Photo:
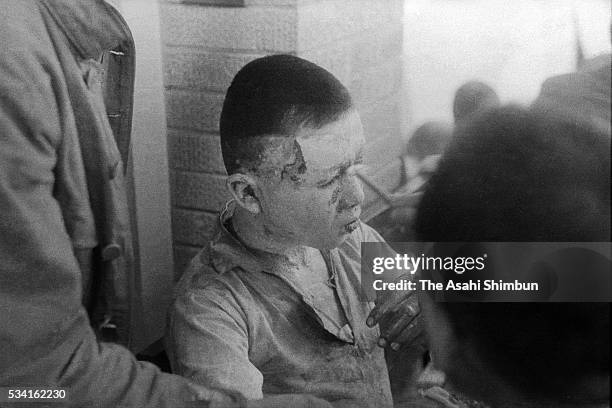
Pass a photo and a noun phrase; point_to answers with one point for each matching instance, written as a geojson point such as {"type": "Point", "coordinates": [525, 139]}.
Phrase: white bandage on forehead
{"type": "Point", "coordinates": [333, 144]}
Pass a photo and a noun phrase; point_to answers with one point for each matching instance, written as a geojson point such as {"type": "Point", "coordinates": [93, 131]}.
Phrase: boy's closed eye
{"type": "Point", "coordinates": [351, 170]}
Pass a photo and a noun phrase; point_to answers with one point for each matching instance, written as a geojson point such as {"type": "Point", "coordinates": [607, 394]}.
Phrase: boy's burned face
{"type": "Point", "coordinates": [316, 199]}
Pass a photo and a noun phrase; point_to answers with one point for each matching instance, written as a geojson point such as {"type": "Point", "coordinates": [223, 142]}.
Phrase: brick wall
{"type": "Point", "coordinates": [360, 41]}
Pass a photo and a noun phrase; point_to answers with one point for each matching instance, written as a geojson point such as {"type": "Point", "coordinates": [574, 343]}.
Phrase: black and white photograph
{"type": "Point", "coordinates": [305, 203]}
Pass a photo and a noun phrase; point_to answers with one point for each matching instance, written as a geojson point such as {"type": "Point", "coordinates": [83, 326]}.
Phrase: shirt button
{"type": "Point", "coordinates": [113, 170]}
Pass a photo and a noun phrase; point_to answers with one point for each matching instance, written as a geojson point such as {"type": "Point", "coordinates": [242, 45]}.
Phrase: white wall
{"type": "Point", "coordinates": [512, 45]}
{"type": "Point", "coordinates": [150, 171]}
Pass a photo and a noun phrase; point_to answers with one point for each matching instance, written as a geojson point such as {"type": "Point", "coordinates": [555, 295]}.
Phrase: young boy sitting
{"type": "Point", "coordinates": [271, 305]}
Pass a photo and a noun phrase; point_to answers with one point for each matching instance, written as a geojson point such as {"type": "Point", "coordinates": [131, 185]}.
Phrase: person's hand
{"type": "Point", "coordinates": [397, 313]}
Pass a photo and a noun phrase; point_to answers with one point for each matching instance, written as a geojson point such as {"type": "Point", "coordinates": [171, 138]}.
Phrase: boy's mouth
{"type": "Point", "coordinates": [351, 226]}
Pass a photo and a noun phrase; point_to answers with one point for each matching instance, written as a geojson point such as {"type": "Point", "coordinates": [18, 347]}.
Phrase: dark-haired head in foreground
{"type": "Point", "coordinates": [514, 175]}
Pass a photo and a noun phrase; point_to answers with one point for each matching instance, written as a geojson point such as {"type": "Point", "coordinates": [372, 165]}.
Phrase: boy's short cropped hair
{"type": "Point", "coordinates": [515, 175]}
{"type": "Point", "coordinates": [275, 96]}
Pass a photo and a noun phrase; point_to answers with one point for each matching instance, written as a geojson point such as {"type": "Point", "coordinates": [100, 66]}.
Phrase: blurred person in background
{"type": "Point", "coordinates": [423, 149]}
{"type": "Point", "coordinates": [583, 95]}
{"type": "Point", "coordinates": [472, 98]}
{"type": "Point", "coordinates": [419, 161]}
{"type": "Point", "coordinates": [420, 158]}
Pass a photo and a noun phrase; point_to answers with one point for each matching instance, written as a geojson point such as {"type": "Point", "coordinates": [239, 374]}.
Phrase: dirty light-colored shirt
{"type": "Point", "coordinates": [250, 328]}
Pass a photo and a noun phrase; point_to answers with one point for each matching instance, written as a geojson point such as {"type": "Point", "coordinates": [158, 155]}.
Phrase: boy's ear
{"type": "Point", "coordinates": [243, 189]}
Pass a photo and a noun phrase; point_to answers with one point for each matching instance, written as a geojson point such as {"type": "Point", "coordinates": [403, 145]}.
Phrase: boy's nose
{"type": "Point", "coordinates": [352, 194]}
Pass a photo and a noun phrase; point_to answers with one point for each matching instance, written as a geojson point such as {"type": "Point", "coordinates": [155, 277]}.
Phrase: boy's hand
{"type": "Point", "coordinates": [398, 315]}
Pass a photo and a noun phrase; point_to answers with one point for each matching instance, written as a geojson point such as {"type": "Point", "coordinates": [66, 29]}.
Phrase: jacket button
{"type": "Point", "coordinates": [111, 251]}
{"type": "Point", "coordinates": [113, 171]}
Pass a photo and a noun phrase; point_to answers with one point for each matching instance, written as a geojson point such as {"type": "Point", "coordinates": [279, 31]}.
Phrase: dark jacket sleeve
{"type": "Point", "coordinates": [45, 336]}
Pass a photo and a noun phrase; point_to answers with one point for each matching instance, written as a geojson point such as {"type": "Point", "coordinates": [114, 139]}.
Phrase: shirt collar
{"type": "Point", "coordinates": [92, 26]}
{"type": "Point", "coordinates": [226, 252]}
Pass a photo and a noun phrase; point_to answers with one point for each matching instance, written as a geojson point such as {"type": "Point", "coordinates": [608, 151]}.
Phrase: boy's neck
{"type": "Point", "coordinates": [252, 233]}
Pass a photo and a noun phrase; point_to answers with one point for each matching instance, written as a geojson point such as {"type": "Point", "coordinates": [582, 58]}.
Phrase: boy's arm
{"type": "Point", "coordinates": [207, 341]}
